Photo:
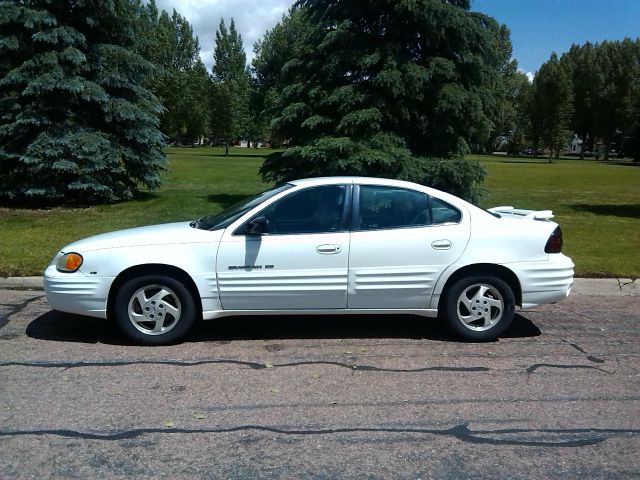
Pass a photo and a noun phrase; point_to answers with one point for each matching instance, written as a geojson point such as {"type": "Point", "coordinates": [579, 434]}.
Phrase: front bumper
{"type": "Point", "coordinates": [77, 293]}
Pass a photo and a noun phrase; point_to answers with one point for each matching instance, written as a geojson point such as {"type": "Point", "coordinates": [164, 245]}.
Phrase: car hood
{"type": "Point", "coordinates": [169, 233]}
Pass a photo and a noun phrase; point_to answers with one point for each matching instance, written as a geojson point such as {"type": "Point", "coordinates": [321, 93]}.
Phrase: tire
{"type": "Point", "coordinates": [154, 310]}
{"type": "Point", "coordinates": [479, 308]}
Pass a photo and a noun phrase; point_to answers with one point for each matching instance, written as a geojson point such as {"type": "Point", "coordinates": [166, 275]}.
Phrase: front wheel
{"type": "Point", "coordinates": [154, 309]}
{"type": "Point", "coordinates": [480, 308]}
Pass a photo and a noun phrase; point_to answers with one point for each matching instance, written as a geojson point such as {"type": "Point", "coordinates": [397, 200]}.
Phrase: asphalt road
{"type": "Point", "coordinates": [322, 397]}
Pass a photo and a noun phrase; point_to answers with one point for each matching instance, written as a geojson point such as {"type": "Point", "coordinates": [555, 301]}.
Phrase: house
{"type": "Point", "coordinates": [576, 145]}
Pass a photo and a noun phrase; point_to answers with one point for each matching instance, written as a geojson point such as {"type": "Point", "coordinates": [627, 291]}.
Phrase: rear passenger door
{"type": "Point", "coordinates": [401, 241]}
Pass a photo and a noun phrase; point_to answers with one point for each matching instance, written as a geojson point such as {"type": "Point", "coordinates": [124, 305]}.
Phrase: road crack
{"type": "Point", "coordinates": [591, 358]}
{"type": "Point", "coordinates": [536, 366]}
{"type": "Point", "coordinates": [622, 284]}
{"type": "Point", "coordinates": [577, 437]}
{"type": "Point", "coordinates": [252, 365]}
{"type": "Point", "coordinates": [15, 309]}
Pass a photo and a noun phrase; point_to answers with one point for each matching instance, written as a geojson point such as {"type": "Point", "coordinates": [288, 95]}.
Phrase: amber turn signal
{"type": "Point", "coordinates": [69, 262]}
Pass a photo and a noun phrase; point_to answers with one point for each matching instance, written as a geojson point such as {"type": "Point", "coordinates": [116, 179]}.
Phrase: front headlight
{"type": "Point", "coordinates": [69, 262]}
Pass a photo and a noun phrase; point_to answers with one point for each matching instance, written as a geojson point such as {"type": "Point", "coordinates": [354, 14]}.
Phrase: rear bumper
{"type": "Point", "coordinates": [544, 282]}
{"type": "Point", "coordinates": [77, 293]}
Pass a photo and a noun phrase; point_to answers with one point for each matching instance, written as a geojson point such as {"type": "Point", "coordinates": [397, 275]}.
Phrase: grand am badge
{"type": "Point", "coordinates": [250, 267]}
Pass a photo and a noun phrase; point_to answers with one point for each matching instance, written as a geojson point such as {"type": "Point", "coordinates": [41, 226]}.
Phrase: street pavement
{"type": "Point", "coordinates": [558, 396]}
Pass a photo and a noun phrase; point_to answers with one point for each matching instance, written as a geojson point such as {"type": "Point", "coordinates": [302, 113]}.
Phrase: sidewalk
{"type": "Point", "coordinates": [581, 286]}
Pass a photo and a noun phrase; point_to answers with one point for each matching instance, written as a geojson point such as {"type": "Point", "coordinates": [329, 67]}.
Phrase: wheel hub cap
{"type": "Point", "coordinates": [154, 309]}
{"type": "Point", "coordinates": [480, 307]}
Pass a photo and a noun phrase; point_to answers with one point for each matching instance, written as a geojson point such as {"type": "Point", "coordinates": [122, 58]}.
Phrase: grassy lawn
{"type": "Point", "coordinates": [200, 181]}
{"type": "Point", "coordinates": [597, 204]}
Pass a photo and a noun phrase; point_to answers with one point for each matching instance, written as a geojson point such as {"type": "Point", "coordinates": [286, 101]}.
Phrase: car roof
{"type": "Point", "coordinates": [359, 180]}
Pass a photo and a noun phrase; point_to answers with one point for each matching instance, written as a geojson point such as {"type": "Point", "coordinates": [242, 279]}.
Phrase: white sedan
{"type": "Point", "coordinates": [317, 246]}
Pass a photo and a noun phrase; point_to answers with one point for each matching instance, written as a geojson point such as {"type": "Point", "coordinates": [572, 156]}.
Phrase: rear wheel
{"type": "Point", "coordinates": [480, 308]}
{"type": "Point", "coordinates": [154, 309]}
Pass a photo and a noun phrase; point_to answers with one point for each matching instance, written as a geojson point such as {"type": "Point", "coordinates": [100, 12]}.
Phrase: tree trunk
{"type": "Point", "coordinates": [226, 147]}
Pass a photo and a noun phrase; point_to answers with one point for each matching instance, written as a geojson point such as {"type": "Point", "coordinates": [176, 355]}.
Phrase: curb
{"type": "Point", "coordinates": [621, 287]}
{"type": "Point", "coordinates": [616, 287]}
{"type": "Point", "coordinates": [21, 283]}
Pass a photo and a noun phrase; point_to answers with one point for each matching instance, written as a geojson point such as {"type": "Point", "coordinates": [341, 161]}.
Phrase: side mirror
{"type": "Point", "coordinates": [257, 226]}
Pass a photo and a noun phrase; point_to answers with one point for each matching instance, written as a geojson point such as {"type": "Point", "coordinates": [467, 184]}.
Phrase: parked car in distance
{"type": "Point", "coordinates": [532, 151]}
{"type": "Point", "coordinates": [336, 245]}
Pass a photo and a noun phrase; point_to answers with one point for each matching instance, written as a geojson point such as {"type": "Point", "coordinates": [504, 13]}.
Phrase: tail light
{"type": "Point", "coordinates": [554, 244]}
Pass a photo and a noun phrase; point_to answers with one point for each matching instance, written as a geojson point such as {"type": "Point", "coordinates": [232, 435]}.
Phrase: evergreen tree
{"type": "Point", "coordinates": [180, 80]}
{"type": "Point", "coordinates": [231, 86]}
{"type": "Point", "coordinates": [289, 39]}
{"type": "Point", "coordinates": [77, 124]}
{"type": "Point", "coordinates": [387, 89]}
{"type": "Point", "coordinates": [551, 106]}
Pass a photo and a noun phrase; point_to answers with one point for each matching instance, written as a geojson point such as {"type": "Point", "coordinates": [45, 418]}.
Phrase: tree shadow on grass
{"type": "Point", "coordinates": [528, 162]}
{"type": "Point", "coordinates": [140, 197]}
{"type": "Point", "coordinates": [64, 327]}
{"type": "Point", "coordinates": [253, 154]}
{"type": "Point", "coordinates": [619, 163]}
{"type": "Point", "coordinates": [624, 210]}
{"type": "Point", "coordinates": [143, 197]}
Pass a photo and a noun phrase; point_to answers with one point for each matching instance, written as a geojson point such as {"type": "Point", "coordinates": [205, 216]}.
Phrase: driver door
{"type": "Point", "coordinates": [300, 262]}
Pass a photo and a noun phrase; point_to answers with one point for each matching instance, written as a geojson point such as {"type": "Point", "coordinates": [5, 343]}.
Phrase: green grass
{"type": "Point", "coordinates": [200, 181]}
{"type": "Point", "coordinates": [597, 204]}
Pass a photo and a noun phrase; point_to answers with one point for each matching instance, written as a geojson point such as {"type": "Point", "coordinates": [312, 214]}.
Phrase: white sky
{"type": "Point", "coordinates": [252, 17]}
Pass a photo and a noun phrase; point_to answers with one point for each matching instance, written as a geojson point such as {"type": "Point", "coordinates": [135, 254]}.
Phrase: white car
{"type": "Point", "coordinates": [317, 246]}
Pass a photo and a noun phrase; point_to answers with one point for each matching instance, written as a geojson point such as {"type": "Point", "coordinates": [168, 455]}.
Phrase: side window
{"type": "Point", "coordinates": [312, 210]}
{"type": "Point", "coordinates": [391, 207]}
{"type": "Point", "coordinates": [442, 212]}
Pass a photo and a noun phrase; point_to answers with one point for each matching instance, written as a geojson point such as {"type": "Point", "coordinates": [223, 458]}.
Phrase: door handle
{"type": "Point", "coordinates": [328, 249]}
{"type": "Point", "coordinates": [441, 244]}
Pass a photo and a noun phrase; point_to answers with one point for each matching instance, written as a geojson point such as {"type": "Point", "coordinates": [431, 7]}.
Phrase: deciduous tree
{"type": "Point", "coordinates": [516, 118]}
{"type": "Point", "coordinates": [586, 83]}
{"type": "Point", "coordinates": [551, 105]}
{"type": "Point", "coordinates": [618, 63]}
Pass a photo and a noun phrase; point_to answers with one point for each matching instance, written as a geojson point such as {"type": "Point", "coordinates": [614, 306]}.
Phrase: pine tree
{"type": "Point", "coordinates": [180, 80]}
{"type": "Point", "coordinates": [231, 86]}
{"type": "Point", "coordinates": [287, 40]}
{"type": "Point", "coordinates": [399, 88]}
{"type": "Point", "coordinates": [76, 124]}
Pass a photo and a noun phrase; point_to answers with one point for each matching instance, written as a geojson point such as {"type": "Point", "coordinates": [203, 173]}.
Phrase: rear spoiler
{"type": "Point", "coordinates": [522, 213]}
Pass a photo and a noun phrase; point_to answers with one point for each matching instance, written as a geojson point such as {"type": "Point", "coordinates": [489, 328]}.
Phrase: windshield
{"type": "Point", "coordinates": [231, 214]}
